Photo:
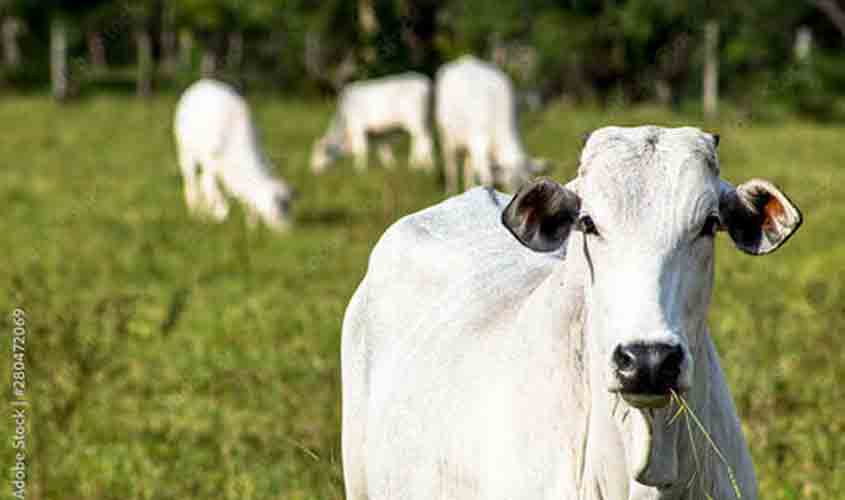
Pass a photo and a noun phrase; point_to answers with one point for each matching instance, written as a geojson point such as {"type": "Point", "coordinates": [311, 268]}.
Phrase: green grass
{"type": "Point", "coordinates": [173, 359]}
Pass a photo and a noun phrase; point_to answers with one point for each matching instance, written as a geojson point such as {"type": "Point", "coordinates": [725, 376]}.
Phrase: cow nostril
{"type": "Point", "coordinates": [670, 367]}
{"type": "Point", "coordinates": [624, 359]}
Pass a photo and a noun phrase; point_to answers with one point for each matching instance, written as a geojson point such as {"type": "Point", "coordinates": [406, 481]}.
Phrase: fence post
{"type": "Point", "coordinates": [710, 97]}
{"type": "Point", "coordinates": [59, 73]}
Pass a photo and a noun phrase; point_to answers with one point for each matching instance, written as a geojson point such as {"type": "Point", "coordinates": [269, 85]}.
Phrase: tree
{"type": "Point", "coordinates": [63, 15]}
{"type": "Point", "coordinates": [206, 19]}
{"type": "Point", "coordinates": [710, 85]}
{"type": "Point", "coordinates": [833, 11]}
{"type": "Point", "coordinates": [144, 14]}
{"type": "Point", "coordinates": [11, 27]}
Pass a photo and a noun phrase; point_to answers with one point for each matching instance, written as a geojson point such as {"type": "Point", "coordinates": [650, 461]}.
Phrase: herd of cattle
{"type": "Point", "coordinates": [475, 112]}
{"type": "Point", "coordinates": [534, 346]}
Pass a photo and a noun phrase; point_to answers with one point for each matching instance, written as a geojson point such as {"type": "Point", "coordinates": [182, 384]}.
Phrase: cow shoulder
{"type": "Point", "coordinates": [454, 243]}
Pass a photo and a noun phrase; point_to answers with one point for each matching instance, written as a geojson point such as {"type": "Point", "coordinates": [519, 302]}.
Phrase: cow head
{"type": "Point", "coordinates": [326, 151]}
{"type": "Point", "coordinates": [644, 211]}
{"type": "Point", "coordinates": [272, 202]}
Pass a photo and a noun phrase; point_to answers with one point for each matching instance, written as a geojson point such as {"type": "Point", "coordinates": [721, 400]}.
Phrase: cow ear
{"type": "Point", "coordinates": [541, 214]}
{"type": "Point", "coordinates": [758, 216]}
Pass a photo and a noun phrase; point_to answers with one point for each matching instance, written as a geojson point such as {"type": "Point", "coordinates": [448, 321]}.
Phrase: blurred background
{"type": "Point", "coordinates": [171, 358]}
{"type": "Point", "coordinates": [770, 56]}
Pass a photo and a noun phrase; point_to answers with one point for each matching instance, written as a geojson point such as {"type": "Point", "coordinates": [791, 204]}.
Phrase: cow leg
{"type": "Point", "coordinates": [421, 150]}
{"type": "Point", "coordinates": [216, 203]}
{"type": "Point", "coordinates": [252, 217]}
{"type": "Point", "coordinates": [450, 166]}
{"type": "Point", "coordinates": [469, 172]}
{"type": "Point", "coordinates": [358, 148]}
{"type": "Point", "coordinates": [478, 164]}
{"type": "Point", "coordinates": [190, 169]}
{"type": "Point", "coordinates": [385, 154]}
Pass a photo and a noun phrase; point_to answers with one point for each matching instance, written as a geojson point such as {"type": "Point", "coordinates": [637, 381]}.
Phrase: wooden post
{"type": "Point", "coordinates": [208, 65]}
{"type": "Point", "coordinates": [96, 51]}
{"type": "Point", "coordinates": [12, 27]}
{"type": "Point", "coordinates": [710, 83]}
{"type": "Point", "coordinates": [144, 45]}
{"type": "Point", "coordinates": [59, 74]}
{"type": "Point", "coordinates": [367, 20]}
{"type": "Point", "coordinates": [235, 51]}
{"type": "Point", "coordinates": [186, 49]}
{"type": "Point", "coordinates": [368, 26]}
{"type": "Point", "coordinates": [803, 44]}
{"type": "Point", "coordinates": [169, 42]}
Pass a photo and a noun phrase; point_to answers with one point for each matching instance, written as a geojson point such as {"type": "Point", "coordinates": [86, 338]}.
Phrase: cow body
{"type": "Point", "coordinates": [475, 111]}
{"type": "Point", "coordinates": [218, 148]}
{"type": "Point", "coordinates": [378, 106]}
{"type": "Point", "coordinates": [474, 367]}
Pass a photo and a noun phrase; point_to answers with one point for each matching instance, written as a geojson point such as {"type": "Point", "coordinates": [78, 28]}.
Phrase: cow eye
{"type": "Point", "coordinates": [711, 225]}
{"type": "Point", "coordinates": [586, 225]}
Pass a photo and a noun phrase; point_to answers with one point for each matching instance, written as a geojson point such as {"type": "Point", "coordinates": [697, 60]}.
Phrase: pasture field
{"type": "Point", "coordinates": [172, 359]}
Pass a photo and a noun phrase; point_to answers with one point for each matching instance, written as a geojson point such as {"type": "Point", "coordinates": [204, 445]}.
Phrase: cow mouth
{"type": "Point", "coordinates": [643, 401]}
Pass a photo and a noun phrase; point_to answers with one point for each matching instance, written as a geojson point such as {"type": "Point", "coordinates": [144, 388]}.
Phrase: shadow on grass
{"type": "Point", "coordinates": [331, 217]}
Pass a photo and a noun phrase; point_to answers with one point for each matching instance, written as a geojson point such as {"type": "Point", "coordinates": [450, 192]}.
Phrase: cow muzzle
{"type": "Point", "coordinates": [648, 373]}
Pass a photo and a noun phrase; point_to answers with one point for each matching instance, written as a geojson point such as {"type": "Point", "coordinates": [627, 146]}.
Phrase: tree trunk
{"type": "Point", "coordinates": [313, 54]}
{"type": "Point", "coordinates": [419, 31]}
{"type": "Point", "coordinates": [367, 20]}
{"type": "Point", "coordinates": [235, 51]}
{"type": "Point", "coordinates": [59, 74]}
{"type": "Point", "coordinates": [833, 12]}
{"type": "Point", "coordinates": [663, 92]}
{"type": "Point", "coordinates": [96, 51]}
{"type": "Point", "coordinates": [368, 27]}
{"type": "Point", "coordinates": [208, 65]}
{"type": "Point", "coordinates": [144, 45]}
{"type": "Point", "coordinates": [169, 42]}
{"type": "Point", "coordinates": [11, 49]}
{"type": "Point", "coordinates": [803, 44]}
{"type": "Point", "coordinates": [710, 83]}
{"type": "Point", "coordinates": [186, 50]}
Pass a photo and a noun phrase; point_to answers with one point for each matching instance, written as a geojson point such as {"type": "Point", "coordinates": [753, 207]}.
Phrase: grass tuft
{"type": "Point", "coordinates": [690, 415]}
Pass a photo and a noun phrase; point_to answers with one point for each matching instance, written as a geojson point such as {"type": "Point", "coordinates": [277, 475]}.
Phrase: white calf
{"type": "Point", "coordinates": [217, 143]}
{"type": "Point", "coordinates": [475, 111]}
{"type": "Point", "coordinates": [377, 106]}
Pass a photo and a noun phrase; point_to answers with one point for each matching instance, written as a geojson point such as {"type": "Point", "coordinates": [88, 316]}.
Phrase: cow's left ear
{"type": "Point", "coordinates": [541, 214]}
{"type": "Point", "coordinates": [757, 215]}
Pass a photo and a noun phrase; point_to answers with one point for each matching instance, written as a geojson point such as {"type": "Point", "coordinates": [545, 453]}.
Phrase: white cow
{"type": "Point", "coordinates": [218, 145]}
{"type": "Point", "coordinates": [475, 111]}
{"type": "Point", "coordinates": [377, 106]}
{"type": "Point", "coordinates": [530, 353]}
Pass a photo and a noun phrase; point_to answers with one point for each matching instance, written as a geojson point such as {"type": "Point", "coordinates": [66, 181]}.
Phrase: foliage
{"type": "Point", "coordinates": [630, 49]}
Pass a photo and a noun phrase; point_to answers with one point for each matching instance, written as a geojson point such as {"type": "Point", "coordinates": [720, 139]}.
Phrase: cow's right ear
{"type": "Point", "coordinates": [541, 215]}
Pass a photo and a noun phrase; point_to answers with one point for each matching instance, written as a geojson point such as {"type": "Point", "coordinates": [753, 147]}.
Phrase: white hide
{"type": "Point", "coordinates": [381, 105]}
{"type": "Point", "coordinates": [475, 368]}
{"type": "Point", "coordinates": [218, 147]}
{"type": "Point", "coordinates": [475, 111]}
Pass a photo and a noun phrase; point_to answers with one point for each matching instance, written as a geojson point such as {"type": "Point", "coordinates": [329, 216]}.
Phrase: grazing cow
{"type": "Point", "coordinates": [475, 111]}
{"type": "Point", "coordinates": [529, 347]}
{"type": "Point", "coordinates": [377, 106]}
{"type": "Point", "coordinates": [218, 145]}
